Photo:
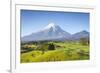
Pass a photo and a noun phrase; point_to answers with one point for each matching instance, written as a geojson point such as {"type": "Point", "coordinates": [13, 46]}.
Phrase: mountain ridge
{"type": "Point", "coordinates": [54, 32]}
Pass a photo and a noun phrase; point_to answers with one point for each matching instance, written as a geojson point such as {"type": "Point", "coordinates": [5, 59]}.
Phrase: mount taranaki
{"type": "Point", "coordinates": [54, 32]}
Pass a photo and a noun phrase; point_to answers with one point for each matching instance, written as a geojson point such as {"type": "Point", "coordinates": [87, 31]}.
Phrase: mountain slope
{"type": "Point", "coordinates": [82, 34]}
{"type": "Point", "coordinates": [50, 32]}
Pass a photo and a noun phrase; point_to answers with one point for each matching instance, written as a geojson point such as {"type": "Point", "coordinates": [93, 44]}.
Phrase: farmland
{"type": "Point", "coordinates": [48, 51]}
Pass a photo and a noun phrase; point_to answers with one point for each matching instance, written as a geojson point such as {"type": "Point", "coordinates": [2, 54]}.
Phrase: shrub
{"type": "Point", "coordinates": [81, 52]}
{"type": "Point", "coordinates": [51, 47]}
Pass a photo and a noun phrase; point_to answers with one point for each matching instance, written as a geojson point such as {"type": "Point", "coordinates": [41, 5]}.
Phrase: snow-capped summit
{"type": "Point", "coordinates": [54, 32]}
{"type": "Point", "coordinates": [51, 25]}
{"type": "Point", "coordinates": [50, 32]}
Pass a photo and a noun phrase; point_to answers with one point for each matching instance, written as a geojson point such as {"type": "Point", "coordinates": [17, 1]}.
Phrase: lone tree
{"type": "Point", "coordinates": [51, 47]}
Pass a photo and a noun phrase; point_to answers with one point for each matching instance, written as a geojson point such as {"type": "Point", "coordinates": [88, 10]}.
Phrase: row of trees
{"type": "Point", "coordinates": [45, 47]}
{"type": "Point", "coordinates": [42, 47]}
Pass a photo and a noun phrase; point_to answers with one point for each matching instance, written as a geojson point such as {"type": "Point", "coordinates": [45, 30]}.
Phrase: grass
{"type": "Point", "coordinates": [64, 51]}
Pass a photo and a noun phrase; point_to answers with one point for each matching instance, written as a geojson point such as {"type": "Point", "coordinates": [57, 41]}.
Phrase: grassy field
{"type": "Point", "coordinates": [53, 51]}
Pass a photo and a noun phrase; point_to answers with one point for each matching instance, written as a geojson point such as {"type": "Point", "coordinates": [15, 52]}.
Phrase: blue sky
{"type": "Point", "coordinates": [34, 20]}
